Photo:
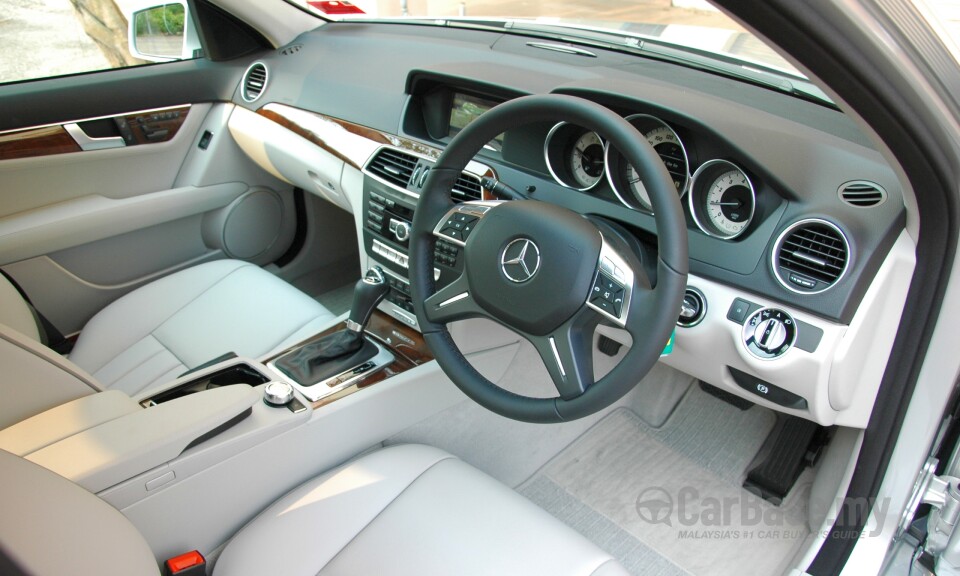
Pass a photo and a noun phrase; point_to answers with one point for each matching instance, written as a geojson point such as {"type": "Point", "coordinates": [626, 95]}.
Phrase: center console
{"type": "Point", "coordinates": [392, 182]}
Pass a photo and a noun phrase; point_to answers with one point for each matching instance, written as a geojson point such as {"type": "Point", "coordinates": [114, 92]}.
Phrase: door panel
{"type": "Point", "coordinates": [79, 228]}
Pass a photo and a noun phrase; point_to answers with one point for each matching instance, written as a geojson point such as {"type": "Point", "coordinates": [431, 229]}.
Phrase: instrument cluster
{"type": "Point", "coordinates": [720, 195]}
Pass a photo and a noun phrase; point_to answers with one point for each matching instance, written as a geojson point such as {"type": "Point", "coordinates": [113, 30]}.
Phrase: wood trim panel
{"type": "Point", "coordinates": [137, 128]}
{"type": "Point", "coordinates": [154, 126]}
{"type": "Point", "coordinates": [33, 142]}
{"type": "Point", "coordinates": [406, 344]}
{"type": "Point", "coordinates": [291, 119]}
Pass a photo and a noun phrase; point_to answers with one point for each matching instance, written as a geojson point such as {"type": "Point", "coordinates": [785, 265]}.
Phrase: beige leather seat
{"type": "Point", "coordinates": [152, 335]}
{"type": "Point", "coordinates": [403, 510]}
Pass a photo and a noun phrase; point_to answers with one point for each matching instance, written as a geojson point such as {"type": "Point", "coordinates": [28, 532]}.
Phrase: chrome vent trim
{"type": "Point", "coordinates": [254, 82]}
{"type": "Point", "coordinates": [862, 193]}
{"type": "Point", "coordinates": [811, 250]}
{"type": "Point", "coordinates": [393, 166]}
{"type": "Point", "coordinates": [467, 188]}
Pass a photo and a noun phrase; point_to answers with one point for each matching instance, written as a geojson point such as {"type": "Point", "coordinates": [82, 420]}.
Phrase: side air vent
{"type": "Point", "coordinates": [862, 194]}
{"type": "Point", "coordinates": [393, 166]}
{"type": "Point", "coordinates": [810, 256]}
{"type": "Point", "coordinates": [254, 82]}
{"type": "Point", "coordinates": [467, 188]}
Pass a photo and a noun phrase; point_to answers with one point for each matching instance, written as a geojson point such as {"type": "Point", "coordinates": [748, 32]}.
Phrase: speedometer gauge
{"type": "Point", "coordinates": [624, 178]}
{"type": "Point", "coordinates": [722, 199]}
{"type": "Point", "coordinates": [574, 156]}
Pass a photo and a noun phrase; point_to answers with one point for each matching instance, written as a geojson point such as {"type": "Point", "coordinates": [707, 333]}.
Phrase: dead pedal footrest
{"type": "Point", "coordinates": [789, 453]}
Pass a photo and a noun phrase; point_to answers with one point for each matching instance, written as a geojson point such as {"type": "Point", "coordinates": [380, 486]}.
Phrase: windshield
{"type": "Point", "coordinates": [691, 24]}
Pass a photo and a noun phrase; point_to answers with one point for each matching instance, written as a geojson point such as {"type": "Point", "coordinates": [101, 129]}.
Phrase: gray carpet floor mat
{"type": "Point", "coordinates": [669, 501]}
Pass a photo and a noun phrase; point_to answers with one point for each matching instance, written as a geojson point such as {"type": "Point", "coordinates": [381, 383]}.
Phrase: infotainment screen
{"type": "Point", "coordinates": [466, 109]}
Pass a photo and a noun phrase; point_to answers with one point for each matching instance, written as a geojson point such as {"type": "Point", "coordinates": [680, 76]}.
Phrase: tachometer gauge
{"type": "Point", "coordinates": [722, 199]}
{"type": "Point", "coordinates": [574, 156]}
{"type": "Point", "coordinates": [626, 181]}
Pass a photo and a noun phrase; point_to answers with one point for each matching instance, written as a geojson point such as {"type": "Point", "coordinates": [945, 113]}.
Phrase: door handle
{"type": "Point", "coordinates": [87, 143]}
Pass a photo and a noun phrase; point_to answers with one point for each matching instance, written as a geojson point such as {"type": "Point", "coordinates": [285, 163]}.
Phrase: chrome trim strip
{"type": "Point", "coordinates": [110, 116]}
{"type": "Point", "coordinates": [562, 48]}
{"type": "Point", "coordinates": [556, 357]}
{"type": "Point", "coordinates": [87, 143]}
{"type": "Point", "coordinates": [456, 298]}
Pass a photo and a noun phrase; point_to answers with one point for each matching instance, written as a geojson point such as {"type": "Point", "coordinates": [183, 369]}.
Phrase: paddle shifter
{"type": "Point", "coordinates": [343, 349]}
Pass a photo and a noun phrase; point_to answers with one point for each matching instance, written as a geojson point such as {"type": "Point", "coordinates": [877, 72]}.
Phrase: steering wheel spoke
{"type": "Point", "coordinates": [614, 283]}
{"type": "Point", "coordinates": [453, 302]}
{"type": "Point", "coordinates": [567, 354]}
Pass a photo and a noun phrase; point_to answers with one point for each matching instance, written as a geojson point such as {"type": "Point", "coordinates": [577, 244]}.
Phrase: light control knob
{"type": "Point", "coordinates": [768, 333]}
{"type": "Point", "coordinates": [278, 393]}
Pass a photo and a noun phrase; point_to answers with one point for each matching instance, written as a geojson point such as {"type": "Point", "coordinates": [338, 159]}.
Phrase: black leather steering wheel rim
{"type": "Point", "coordinates": [651, 318]}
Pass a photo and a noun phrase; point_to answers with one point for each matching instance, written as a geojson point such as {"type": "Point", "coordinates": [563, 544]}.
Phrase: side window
{"type": "Point", "coordinates": [45, 38]}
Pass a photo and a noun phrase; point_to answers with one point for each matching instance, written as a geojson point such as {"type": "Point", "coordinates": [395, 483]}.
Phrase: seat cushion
{"type": "Point", "coordinates": [51, 526]}
{"type": "Point", "coordinates": [409, 510]}
{"type": "Point", "coordinates": [157, 332]}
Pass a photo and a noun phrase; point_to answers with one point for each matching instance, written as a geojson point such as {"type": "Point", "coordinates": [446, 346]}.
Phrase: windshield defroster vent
{"type": "Point", "coordinates": [393, 166]}
{"type": "Point", "coordinates": [862, 194]}
{"type": "Point", "coordinates": [810, 256]}
{"type": "Point", "coordinates": [254, 82]}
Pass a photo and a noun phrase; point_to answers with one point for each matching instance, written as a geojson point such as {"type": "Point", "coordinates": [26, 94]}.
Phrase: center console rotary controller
{"type": "Point", "coordinates": [768, 333]}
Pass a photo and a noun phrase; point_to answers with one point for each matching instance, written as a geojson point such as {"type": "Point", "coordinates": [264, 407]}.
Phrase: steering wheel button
{"type": "Point", "coordinates": [606, 265]}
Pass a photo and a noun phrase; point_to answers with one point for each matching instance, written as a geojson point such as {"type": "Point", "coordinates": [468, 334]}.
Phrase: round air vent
{"type": "Point", "coordinates": [810, 256]}
{"type": "Point", "coordinates": [862, 194]}
{"type": "Point", "coordinates": [254, 82]}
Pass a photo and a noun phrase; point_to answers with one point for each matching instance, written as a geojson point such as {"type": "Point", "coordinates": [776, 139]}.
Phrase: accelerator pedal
{"type": "Point", "coordinates": [796, 444]}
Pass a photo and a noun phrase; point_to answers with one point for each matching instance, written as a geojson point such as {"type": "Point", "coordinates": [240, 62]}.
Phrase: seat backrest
{"type": "Point", "coordinates": [34, 378]}
{"type": "Point", "coordinates": [15, 312]}
{"type": "Point", "coordinates": [51, 526]}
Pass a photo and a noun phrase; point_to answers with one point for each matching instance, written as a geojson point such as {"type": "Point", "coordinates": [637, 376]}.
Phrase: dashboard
{"type": "Point", "coordinates": [793, 217]}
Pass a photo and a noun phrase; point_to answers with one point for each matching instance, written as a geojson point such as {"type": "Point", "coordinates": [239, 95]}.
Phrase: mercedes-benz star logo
{"type": "Point", "coordinates": [520, 261]}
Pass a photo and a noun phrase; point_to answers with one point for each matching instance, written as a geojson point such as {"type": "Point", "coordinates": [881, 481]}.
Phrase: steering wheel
{"type": "Point", "coordinates": [546, 272]}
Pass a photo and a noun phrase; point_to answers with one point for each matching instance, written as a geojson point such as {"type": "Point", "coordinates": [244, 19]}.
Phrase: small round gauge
{"type": "Point", "coordinates": [626, 181]}
{"type": "Point", "coordinates": [586, 160]}
{"type": "Point", "coordinates": [722, 199]}
{"type": "Point", "coordinates": [574, 156]}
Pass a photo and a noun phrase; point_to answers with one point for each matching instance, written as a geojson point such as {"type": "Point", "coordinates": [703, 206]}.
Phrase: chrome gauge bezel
{"type": "Point", "coordinates": [547, 150]}
{"type": "Point", "coordinates": [697, 197]}
{"type": "Point", "coordinates": [612, 163]}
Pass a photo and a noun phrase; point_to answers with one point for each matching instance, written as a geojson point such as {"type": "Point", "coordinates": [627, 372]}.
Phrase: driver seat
{"type": "Point", "coordinates": [402, 510]}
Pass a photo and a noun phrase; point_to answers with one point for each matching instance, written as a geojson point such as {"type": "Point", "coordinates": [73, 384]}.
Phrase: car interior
{"type": "Point", "coordinates": [387, 297]}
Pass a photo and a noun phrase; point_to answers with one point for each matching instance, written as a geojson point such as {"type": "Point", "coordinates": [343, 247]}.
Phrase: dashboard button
{"type": "Point", "coordinates": [739, 310]}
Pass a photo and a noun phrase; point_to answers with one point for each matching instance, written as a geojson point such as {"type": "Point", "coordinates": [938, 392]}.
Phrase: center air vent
{"type": "Point", "coordinates": [410, 173]}
{"type": "Point", "coordinates": [467, 188]}
{"type": "Point", "coordinates": [393, 166]}
{"type": "Point", "coordinates": [862, 194]}
{"type": "Point", "coordinates": [254, 82]}
{"type": "Point", "coordinates": [810, 256]}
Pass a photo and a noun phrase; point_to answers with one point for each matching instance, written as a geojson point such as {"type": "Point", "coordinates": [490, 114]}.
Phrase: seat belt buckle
{"type": "Point", "coordinates": [189, 564]}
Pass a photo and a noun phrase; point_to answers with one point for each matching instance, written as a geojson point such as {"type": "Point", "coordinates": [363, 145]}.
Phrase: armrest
{"type": "Point", "coordinates": [114, 451]}
{"type": "Point", "coordinates": [63, 421]}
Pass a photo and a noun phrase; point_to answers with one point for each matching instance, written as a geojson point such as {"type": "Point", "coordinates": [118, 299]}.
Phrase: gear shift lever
{"type": "Point", "coordinates": [369, 292]}
{"type": "Point", "coordinates": [343, 349]}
